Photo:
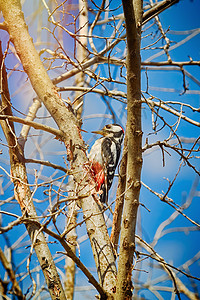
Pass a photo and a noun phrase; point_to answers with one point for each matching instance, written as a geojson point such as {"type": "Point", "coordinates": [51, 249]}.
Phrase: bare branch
{"type": "Point", "coordinates": [45, 163]}
{"type": "Point", "coordinates": [157, 9]}
{"type": "Point", "coordinates": [38, 126]}
{"type": "Point", "coordinates": [71, 254]}
{"type": "Point", "coordinates": [8, 267]}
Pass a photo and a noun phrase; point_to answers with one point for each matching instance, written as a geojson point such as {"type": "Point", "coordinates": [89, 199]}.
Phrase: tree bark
{"type": "Point", "coordinates": [23, 194]}
{"type": "Point", "coordinates": [68, 124]}
{"type": "Point", "coordinates": [133, 20]}
{"type": "Point", "coordinates": [70, 266]}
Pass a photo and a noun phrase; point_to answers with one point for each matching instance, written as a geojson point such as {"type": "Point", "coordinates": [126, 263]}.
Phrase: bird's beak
{"type": "Point", "coordinates": [102, 132]}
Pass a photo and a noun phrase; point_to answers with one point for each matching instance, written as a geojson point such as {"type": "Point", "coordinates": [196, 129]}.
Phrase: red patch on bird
{"type": "Point", "coordinates": [122, 129]}
{"type": "Point", "coordinates": [98, 174]}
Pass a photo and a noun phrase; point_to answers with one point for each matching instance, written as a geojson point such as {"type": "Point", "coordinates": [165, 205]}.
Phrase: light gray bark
{"type": "Point", "coordinates": [23, 194]}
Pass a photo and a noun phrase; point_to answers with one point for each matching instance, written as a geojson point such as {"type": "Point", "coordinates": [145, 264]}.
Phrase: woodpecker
{"type": "Point", "coordinates": [104, 156]}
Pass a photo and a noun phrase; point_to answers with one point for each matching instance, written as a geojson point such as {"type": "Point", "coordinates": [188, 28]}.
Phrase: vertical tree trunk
{"type": "Point", "coordinates": [23, 194]}
{"type": "Point", "coordinates": [133, 20]}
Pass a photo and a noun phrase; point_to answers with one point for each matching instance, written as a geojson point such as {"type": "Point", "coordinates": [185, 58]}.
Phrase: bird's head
{"type": "Point", "coordinates": [112, 130]}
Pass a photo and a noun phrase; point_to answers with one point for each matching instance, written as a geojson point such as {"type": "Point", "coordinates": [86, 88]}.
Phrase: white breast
{"type": "Point", "coordinates": [95, 152]}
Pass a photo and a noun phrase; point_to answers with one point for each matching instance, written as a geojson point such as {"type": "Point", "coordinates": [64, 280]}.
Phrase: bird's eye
{"type": "Point", "coordinates": [108, 126]}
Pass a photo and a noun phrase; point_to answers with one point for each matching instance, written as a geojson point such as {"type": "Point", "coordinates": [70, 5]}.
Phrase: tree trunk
{"type": "Point", "coordinates": [23, 194]}
{"type": "Point", "coordinates": [133, 20]}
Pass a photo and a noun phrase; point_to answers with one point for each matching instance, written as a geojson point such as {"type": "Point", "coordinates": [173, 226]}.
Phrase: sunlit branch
{"type": "Point", "coordinates": [45, 163]}
{"type": "Point", "coordinates": [171, 63]}
{"type": "Point", "coordinates": [172, 111]}
{"type": "Point", "coordinates": [38, 126]}
{"type": "Point", "coordinates": [30, 117]}
{"type": "Point", "coordinates": [109, 93]}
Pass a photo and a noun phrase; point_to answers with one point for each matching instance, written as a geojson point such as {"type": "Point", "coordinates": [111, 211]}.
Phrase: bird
{"type": "Point", "coordinates": [104, 156]}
